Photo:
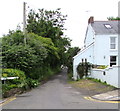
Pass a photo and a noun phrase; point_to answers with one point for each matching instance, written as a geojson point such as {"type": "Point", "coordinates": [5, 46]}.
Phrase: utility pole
{"type": "Point", "coordinates": [24, 21]}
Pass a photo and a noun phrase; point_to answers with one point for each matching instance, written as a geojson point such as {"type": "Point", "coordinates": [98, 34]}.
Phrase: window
{"type": "Point", "coordinates": [113, 60]}
{"type": "Point", "coordinates": [108, 26]}
{"type": "Point", "coordinates": [112, 42]}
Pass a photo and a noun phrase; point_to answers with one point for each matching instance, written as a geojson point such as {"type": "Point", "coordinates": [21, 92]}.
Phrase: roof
{"type": "Point", "coordinates": [100, 28]}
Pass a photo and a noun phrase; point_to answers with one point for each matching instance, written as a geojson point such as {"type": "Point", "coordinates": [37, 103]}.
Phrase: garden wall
{"type": "Point", "coordinates": [110, 75]}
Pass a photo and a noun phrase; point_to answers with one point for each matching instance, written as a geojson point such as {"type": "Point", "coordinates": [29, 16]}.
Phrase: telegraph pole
{"type": "Point", "coordinates": [24, 21]}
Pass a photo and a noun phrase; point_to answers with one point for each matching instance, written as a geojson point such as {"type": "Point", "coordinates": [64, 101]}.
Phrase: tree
{"type": "Point", "coordinates": [50, 24]}
{"type": "Point", "coordinates": [113, 18]}
{"type": "Point", "coordinates": [45, 23]}
{"type": "Point", "coordinates": [26, 57]}
{"type": "Point", "coordinates": [69, 57]}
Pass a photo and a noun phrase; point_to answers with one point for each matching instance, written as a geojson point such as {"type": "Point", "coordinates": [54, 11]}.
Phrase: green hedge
{"type": "Point", "coordinates": [13, 73]}
{"type": "Point", "coordinates": [20, 82]}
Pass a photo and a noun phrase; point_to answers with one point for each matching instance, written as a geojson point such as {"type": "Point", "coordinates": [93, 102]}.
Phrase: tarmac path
{"type": "Point", "coordinates": [56, 94]}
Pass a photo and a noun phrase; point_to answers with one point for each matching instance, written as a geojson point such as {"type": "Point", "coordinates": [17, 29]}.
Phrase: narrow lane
{"type": "Point", "coordinates": [56, 94]}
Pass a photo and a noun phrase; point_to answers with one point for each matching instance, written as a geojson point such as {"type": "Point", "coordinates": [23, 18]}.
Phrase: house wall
{"type": "Point", "coordinates": [102, 50]}
{"type": "Point", "coordinates": [96, 51]}
{"type": "Point", "coordinates": [111, 75]}
{"type": "Point", "coordinates": [90, 34]}
{"type": "Point", "coordinates": [85, 54]}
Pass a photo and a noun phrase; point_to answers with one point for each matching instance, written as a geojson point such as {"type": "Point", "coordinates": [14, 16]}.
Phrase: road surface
{"type": "Point", "coordinates": [56, 94]}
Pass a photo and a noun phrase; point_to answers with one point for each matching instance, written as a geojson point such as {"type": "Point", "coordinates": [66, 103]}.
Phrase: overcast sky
{"type": "Point", "coordinates": [78, 12]}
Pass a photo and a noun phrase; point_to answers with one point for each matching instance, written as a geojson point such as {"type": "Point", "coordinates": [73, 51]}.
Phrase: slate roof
{"type": "Point", "coordinates": [99, 27]}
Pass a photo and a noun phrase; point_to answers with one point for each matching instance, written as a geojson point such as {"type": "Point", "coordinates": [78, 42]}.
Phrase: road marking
{"type": "Point", "coordinates": [7, 101]}
{"type": "Point", "coordinates": [91, 99]}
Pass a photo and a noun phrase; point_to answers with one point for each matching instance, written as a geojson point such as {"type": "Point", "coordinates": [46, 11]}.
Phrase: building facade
{"type": "Point", "coordinates": [100, 45]}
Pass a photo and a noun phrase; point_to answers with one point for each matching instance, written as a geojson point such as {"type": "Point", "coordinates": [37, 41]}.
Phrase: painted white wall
{"type": "Point", "coordinates": [111, 75]}
{"type": "Point", "coordinates": [89, 37]}
{"type": "Point", "coordinates": [102, 51]}
{"type": "Point", "coordinates": [85, 54]}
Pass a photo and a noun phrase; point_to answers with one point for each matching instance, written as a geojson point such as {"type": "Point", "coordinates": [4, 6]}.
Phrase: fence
{"type": "Point", "coordinates": [109, 75]}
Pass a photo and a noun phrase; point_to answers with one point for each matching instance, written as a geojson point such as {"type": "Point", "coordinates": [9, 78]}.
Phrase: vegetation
{"type": "Point", "coordinates": [69, 57]}
{"type": "Point", "coordinates": [71, 52]}
{"type": "Point", "coordinates": [83, 69]}
{"type": "Point", "coordinates": [19, 82]}
{"type": "Point", "coordinates": [99, 81]}
{"type": "Point", "coordinates": [46, 49]}
{"type": "Point", "coordinates": [113, 18]}
{"type": "Point", "coordinates": [50, 24]}
{"type": "Point", "coordinates": [102, 67]}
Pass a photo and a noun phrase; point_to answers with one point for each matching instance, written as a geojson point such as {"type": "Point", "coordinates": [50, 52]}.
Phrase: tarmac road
{"type": "Point", "coordinates": [56, 94]}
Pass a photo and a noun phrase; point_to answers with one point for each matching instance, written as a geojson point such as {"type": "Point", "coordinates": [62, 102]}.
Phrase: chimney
{"type": "Point", "coordinates": [91, 20]}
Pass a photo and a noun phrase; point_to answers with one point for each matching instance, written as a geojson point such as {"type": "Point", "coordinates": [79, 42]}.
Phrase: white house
{"type": "Point", "coordinates": [100, 45]}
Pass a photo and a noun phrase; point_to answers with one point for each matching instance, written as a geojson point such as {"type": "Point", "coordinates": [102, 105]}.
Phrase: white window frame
{"type": "Point", "coordinates": [113, 43]}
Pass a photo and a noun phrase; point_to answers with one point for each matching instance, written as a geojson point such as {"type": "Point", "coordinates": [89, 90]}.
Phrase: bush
{"type": "Point", "coordinates": [14, 73]}
{"type": "Point", "coordinates": [43, 72]}
{"type": "Point", "coordinates": [7, 87]}
{"type": "Point", "coordinates": [31, 83]}
{"type": "Point", "coordinates": [83, 69]}
{"type": "Point", "coordinates": [14, 83]}
{"type": "Point", "coordinates": [102, 67]}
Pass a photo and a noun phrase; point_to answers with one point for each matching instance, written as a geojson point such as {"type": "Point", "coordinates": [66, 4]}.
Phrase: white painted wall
{"type": "Point", "coordinates": [102, 50]}
{"type": "Point", "coordinates": [111, 75]}
{"type": "Point", "coordinates": [85, 54]}
{"type": "Point", "coordinates": [89, 37]}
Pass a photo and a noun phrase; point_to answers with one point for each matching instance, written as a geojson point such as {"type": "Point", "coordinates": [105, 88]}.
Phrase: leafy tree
{"type": "Point", "coordinates": [113, 18]}
{"type": "Point", "coordinates": [26, 57]}
{"type": "Point", "coordinates": [69, 57]}
{"type": "Point", "coordinates": [46, 23]}
{"type": "Point", "coordinates": [50, 24]}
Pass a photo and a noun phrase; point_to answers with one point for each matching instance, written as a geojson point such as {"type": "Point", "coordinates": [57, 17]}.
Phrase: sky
{"type": "Point", "coordinates": [78, 12]}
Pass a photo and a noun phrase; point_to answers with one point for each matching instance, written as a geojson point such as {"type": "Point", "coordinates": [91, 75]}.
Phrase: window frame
{"type": "Point", "coordinates": [115, 44]}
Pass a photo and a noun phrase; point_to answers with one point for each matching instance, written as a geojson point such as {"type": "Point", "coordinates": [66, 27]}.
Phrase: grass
{"type": "Point", "coordinates": [90, 84]}
{"type": "Point", "coordinates": [99, 81]}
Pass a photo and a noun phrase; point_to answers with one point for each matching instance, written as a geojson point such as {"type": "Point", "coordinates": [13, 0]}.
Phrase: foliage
{"type": "Point", "coordinates": [50, 24]}
{"type": "Point", "coordinates": [113, 18]}
{"type": "Point", "coordinates": [83, 69]}
{"type": "Point", "coordinates": [13, 73]}
{"type": "Point", "coordinates": [20, 82]}
{"type": "Point", "coordinates": [102, 67]}
{"type": "Point", "coordinates": [70, 75]}
{"type": "Point", "coordinates": [26, 57]}
{"type": "Point", "coordinates": [46, 23]}
{"type": "Point", "coordinates": [71, 52]}
{"type": "Point", "coordinates": [99, 81]}
{"type": "Point", "coordinates": [20, 57]}
{"type": "Point", "coordinates": [7, 87]}
{"type": "Point", "coordinates": [44, 51]}
{"type": "Point", "coordinates": [31, 83]}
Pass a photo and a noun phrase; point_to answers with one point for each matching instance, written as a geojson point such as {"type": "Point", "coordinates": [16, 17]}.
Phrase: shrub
{"type": "Point", "coordinates": [14, 83]}
{"type": "Point", "coordinates": [83, 69]}
{"type": "Point", "coordinates": [31, 83]}
{"type": "Point", "coordinates": [102, 67]}
{"type": "Point", "coordinates": [7, 87]}
{"type": "Point", "coordinates": [14, 73]}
